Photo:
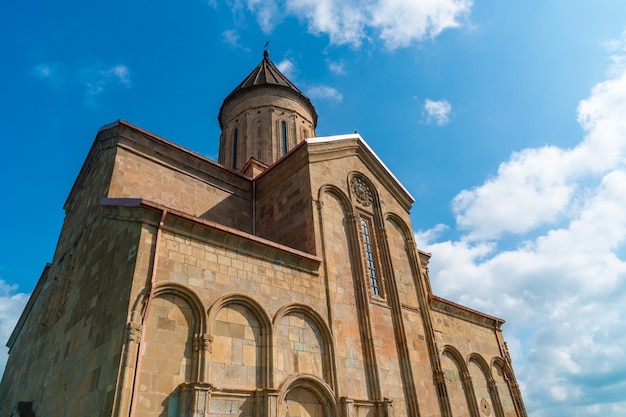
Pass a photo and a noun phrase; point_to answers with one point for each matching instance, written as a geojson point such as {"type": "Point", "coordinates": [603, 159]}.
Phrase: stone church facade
{"type": "Point", "coordinates": [282, 280]}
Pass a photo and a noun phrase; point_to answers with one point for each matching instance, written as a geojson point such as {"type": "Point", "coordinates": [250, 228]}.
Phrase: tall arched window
{"type": "Point", "coordinates": [235, 149]}
{"type": "Point", "coordinates": [283, 135]}
{"type": "Point", "coordinates": [369, 257]}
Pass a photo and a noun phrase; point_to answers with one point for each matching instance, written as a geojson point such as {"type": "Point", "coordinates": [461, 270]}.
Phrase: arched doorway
{"type": "Point", "coordinates": [307, 397]}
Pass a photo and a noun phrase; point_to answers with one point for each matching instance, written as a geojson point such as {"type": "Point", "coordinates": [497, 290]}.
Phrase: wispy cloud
{"type": "Point", "coordinates": [53, 73]}
{"type": "Point", "coordinates": [396, 23]}
{"type": "Point", "coordinates": [232, 38]}
{"type": "Point", "coordinates": [267, 13]}
{"type": "Point", "coordinates": [323, 92]}
{"type": "Point", "coordinates": [336, 67]}
{"type": "Point", "coordinates": [564, 284]}
{"type": "Point", "coordinates": [287, 67]}
{"type": "Point", "coordinates": [437, 111]}
{"type": "Point", "coordinates": [94, 79]}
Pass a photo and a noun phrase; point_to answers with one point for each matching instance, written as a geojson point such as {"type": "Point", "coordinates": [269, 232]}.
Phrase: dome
{"type": "Point", "coordinates": [263, 118]}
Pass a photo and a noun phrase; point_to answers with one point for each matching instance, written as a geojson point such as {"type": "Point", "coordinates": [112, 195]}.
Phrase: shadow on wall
{"type": "Point", "coordinates": [25, 409]}
{"type": "Point", "coordinates": [171, 404]}
{"type": "Point", "coordinates": [233, 212]}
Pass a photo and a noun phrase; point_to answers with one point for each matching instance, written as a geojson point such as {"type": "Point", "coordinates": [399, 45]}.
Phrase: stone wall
{"type": "Point", "coordinates": [284, 204]}
{"type": "Point", "coordinates": [153, 169]}
{"type": "Point", "coordinates": [166, 299]}
{"type": "Point", "coordinates": [67, 353]}
{"type": "Point", "coordinates": [473, 360]}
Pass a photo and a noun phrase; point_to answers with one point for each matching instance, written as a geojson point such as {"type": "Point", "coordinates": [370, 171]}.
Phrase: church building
{"type": "Point", "coordinates": [281, 280]}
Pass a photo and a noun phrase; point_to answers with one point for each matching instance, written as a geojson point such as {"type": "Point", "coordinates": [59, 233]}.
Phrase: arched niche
{"type": "Point", "coordinates": [501, 376]}
{"type": "Point", "coordinates": [162, 288]}
{"type": "Point", "coordinates": [306, 396]}
{"type": "Point", "coordinates": [341, 253]}
{"type": "Point", "coordinates": [241, 333]}
{"type": "Point", "coordinates": [303, 344]}
{"type": "Point", "coordinates": [487, 402]}
{"type": "Point", "coordinates": [399, 247]}
{"type": "Point", "coordinates": [166, 353]}
{"type": "Point", "coordinates": [454, 370]}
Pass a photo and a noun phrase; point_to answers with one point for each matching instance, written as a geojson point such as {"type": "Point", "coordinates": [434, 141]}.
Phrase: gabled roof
{"type": "Point", "coordinates": [355, 136]}
{"type": "Point", "coordinates": [267, 74]}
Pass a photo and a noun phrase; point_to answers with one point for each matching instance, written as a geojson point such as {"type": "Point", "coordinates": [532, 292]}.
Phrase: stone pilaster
{"type": "Point", "coordinates": [347, 407]}
{"type": "Point", "coordinates": [125, 381]}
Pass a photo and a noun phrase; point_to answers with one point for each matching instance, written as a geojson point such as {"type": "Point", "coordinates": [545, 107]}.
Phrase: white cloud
{"type": "Point", "coordinates": [403, 21]}
{"type": "Point", "coordinates": [528, 191]}
{"type": "Point", "coordinates": [396, 23]}
{"type": "Point", "coordinates": [538, 185]}
{"type": "Point", "coordinates": [324, 92]}
{"type": "Point", "coordinates": [11, 306]}
{"type": "Point", "coordinates": [343, 21]}
{"type": "Point", "coordinates": [287, 67]}
{"type": "Point", "coordinates": [232, 38]}
{"type": "Point", "coordinates": [96, 78]}
{"type": "Point", "coordinates": [618, 48]}
{"type": "Point", "coordinates": [336, 67]}
{"type": "Point", "coordinates": [563, 290]}
{"type": "Point", "coordinates": [267, 13]}
{"type": "Point", "coordinates": [424, 237]}
{"type": "Point", "coordinates": [437, 111]}
{"type": "Point", "coordinates": [121, 73]}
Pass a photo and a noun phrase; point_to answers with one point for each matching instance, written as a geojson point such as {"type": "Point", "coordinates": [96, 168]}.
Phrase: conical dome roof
{"type": "Point", "coordinates": [266, 74]}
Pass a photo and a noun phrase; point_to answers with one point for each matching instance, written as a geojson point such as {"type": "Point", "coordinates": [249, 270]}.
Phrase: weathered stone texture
{"type": "Point", "coordinates": [69, 348]}
{"type": "Point", "coordinates": [161, 172]}
{"type": "Point", "coordinates": [181, 287]}
{"type": "Point", "coordinates": [284, 204]}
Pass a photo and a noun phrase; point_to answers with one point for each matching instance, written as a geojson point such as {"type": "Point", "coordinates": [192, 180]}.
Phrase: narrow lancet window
{"type": "Point", "coordinates": [235, 149]}
{"type": "Point", "coordinates": [369, 257]}
{"type": "Point", "coordinates": [283, 135]}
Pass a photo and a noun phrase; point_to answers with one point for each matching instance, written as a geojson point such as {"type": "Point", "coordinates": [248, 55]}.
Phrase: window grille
{"type": "Point", "coordinates": [369, 257]}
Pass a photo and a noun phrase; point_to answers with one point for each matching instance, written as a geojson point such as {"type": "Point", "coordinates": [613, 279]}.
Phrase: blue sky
{"type": "Point", "coordinates": [506, 120]}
